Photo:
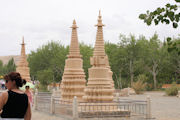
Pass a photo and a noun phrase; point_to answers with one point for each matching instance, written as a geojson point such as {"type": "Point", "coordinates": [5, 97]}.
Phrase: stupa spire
{"type": "Point", "coordinates": [99, 87]}
{"type": "Point", "coordinates": [23, 47]}
{"type": "Point", "coordinates": [74, 46]}
{"type": "Point", "coordinates": [73, 80]}
{"type": "Point", "coordinates": [99, 45]}
{"type": "Point", "coordinates": [22, 66]}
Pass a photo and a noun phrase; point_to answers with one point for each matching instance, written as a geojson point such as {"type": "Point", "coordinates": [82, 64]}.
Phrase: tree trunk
{"type": "Point", "coordinates": [155, 81]}
{"type": "Point", "coordinates": [131, 71]}
{"type": "Point", "coordinates": [120, 83]}
{"type": "Point", "coordinates": [154, 72]}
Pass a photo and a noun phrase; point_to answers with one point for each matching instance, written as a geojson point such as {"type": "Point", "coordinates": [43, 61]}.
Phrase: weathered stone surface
{"type": "Point", "coordinates": [100, 85]}
{"type": "Point", "coordinates": [73, 80]}
{"type": "Point", "coordinates": [22, 66]}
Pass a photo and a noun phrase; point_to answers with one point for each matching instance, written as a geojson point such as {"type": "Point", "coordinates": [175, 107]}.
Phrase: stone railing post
{"type": "Point", "coordinates": [35, 99]}
{"type": "Point", "coordinates": [128, 91]}
{"type": "Point", "coordinates": [148, 109]}
{"type": "Point", "coordinates": [75, 108]}
{"type": "Point", "coordinates": [52, 107]}
{"type": "Point", "coordinates": [117, 97]}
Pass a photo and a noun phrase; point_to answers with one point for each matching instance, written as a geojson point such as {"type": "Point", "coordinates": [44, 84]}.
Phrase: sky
{"type": "Point", "coordinates": [41, 21]}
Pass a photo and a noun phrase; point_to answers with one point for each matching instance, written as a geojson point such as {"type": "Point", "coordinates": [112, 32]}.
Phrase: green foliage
{"type": "Point", "coordinates": [142, 77]}
{"type": "Point", "coordinates": [86, 52]}
{"type": "Point", "coordinates": [168, 14]}
{"type": "Point", "coordinates": [174, 45]}
{"type": "Point", "coordinates": [173, 90]}
{"type": "Point", "coordinates": [49, 57]}
{"type": "Point", "coordinates": [45, 77]}
{"type": "Point", "coordinates": [149, 58]}
{"type": "Point", "coordinates": [42, 88]}
{"type": "Point", "coordinates": [139, 86]}
{"type": "Point", "coordinates": [9, 67]}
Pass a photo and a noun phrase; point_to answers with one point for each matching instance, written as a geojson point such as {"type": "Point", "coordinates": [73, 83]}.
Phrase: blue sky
{"type": "Point", "coordinates": [40, 21]}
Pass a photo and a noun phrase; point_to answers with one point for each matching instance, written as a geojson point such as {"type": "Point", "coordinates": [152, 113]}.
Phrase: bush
{"type": "Point", "coordinates": [173, 90]}
{"type": "Point", "coordinates": [139, 86]}
{"type": "Point", "coordinates": [42, 88]}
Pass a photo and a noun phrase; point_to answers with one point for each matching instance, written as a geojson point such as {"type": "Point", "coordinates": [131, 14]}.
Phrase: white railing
{"type": "Point", "coordinates": [75, 109]}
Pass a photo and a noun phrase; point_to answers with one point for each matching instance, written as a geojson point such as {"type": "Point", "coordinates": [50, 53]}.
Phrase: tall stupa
{"type": "Point", "coordinates": [100, 86]}
{"type": "Point", "coordinates": [73, 80]}
{"type": "Point", "coordinates": [22, 66]}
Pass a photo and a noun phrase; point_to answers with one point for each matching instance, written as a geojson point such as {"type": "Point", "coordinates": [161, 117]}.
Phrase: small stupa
{"type": "Point", "coordinates": [100, 86]}
{"type": "Point", "coordinates": [73, 80]}
{"type": "Point", "coordinates": [22, 66]}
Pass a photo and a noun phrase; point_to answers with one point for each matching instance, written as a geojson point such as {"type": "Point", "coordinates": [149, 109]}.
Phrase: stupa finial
{"type": "Point", "coordinates": [22, 40]}
{"type": "Point", "coordinates": [99, 13]}
{"type": "Point", "coordinates": [99, 45]}
{"type": "Point", "coordinates": [99, 20]}
{"type": "Point", "coordinates": [74, 24]}
{"type": "Point", "coordinates": [74, 46]}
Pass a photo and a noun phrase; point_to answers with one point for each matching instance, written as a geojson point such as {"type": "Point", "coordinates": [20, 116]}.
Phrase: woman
{"type": "Point", "coordinates": [14, 103]}
{"type": "Point", "coordinates": [29, 94]}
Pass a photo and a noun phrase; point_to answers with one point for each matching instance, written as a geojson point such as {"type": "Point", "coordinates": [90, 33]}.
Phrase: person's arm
{"type": "Point", "coordinates": [3, 100]}
{"type": "Point", "coordinates": [28, 112]}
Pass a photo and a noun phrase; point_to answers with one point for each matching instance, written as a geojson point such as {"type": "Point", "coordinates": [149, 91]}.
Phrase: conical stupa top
{"type": "Point", "coordinates": [99, 45]}
{"type": "Point", "coordinates": [23, 47]}
{"type": "Point", "coordinates": [74, 46]}
{"type": "Point", "coordinates": [22, 66]}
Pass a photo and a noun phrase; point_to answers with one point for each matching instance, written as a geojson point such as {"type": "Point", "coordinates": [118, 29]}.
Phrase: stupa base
{"type": "Point", "coordinates": [93, 110]}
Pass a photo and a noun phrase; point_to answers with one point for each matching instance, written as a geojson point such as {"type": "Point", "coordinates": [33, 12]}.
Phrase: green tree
{"type": "Point", "coordinates": [48, 57]}
{"type": "Point", "coordinates": [112, 52]}
{"type": "Point", "coordinates": [9, 67]}
{"type": "Point", "coordinates": [1, 67]}
{"type": "Point", "coordinates": [45, 77]}
{"type": "Point", "coordinates": [86, 52]}
{"type": "Point", "coordinates": [166, 15]}
{"type": "Point", "coordinates": [132, 49]}
{"type": "Point", "coordinates": [153, 59]}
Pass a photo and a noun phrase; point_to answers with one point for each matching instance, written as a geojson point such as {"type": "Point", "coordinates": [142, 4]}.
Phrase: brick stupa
{"type": "Point", "coordinates": [22, 66]}
{"type": "Point", "coordinates": [100, 86]}
{"type": "Point", "coordinates": [73, 80]}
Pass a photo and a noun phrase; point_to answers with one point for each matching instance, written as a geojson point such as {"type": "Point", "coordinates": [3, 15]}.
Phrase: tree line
{"type": "Point", "coordinates": [129, 59]}
{"type": "Point", "coordinates": [9, 67]}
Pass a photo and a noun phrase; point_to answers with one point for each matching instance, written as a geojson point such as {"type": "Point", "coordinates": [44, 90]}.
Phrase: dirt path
{"type": "Point", "coordinates": [37, 115]}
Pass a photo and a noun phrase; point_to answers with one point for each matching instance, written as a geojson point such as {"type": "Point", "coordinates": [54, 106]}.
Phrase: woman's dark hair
{"type": "Point", "coordinates": [15, 76]}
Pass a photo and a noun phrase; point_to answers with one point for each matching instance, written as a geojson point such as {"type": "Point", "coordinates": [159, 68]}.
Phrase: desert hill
{"type": "Point", "coordinates": [5, 59]}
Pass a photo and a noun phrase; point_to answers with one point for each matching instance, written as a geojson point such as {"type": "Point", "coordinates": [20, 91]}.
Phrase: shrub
{"type": "Point", "coordinates": [173, 90]}
{"type": "Point", "coordinates": [142, 78]}
{"type": "Point", "coordinates": [42, 88]}
{"type": "Point", "coordinates": [139, 86]}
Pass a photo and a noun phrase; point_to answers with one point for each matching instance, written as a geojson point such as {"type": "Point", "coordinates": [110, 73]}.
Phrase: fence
{"type": "Point", "coordinates": [75, 109]}
{"type": "Point", "coordinates": [121, 108]}
{"type": "Point", "coordinates": [42, 101]}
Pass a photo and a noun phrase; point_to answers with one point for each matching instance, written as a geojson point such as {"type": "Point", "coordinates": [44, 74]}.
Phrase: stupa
{"type": "Point", "coordinates": [22, 66]}
{"type": "Point", "coordinates": [73, 80]}
{"type": "Point", "coordinates": [100, 86]}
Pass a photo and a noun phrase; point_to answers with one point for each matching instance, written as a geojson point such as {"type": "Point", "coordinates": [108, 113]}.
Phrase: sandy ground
{"type": "Point", "coordinates": [163, 107]}
{"type": "Point", "coordinates": [36, 115]}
